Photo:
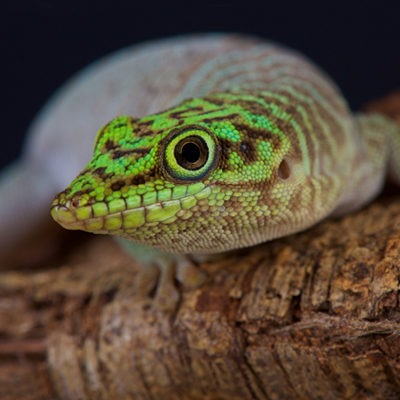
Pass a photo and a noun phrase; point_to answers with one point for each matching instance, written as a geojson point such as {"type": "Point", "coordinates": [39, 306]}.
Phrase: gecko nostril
{"type": "Point", "coordinates": [75, 202]}
{"type": "Point", "coordinates": [284, 170]}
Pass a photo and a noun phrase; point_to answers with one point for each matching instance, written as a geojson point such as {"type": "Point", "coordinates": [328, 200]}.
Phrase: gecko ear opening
{"type": "Point", "coordinates": [284, 170]}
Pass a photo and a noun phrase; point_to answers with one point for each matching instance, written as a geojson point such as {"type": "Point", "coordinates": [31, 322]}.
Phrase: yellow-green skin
{"type": "Point", "coordinates": [277, 159]}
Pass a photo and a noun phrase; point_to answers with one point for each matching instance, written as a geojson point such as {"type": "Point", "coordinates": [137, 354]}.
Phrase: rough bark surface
{"type": "Point", "coordinates": [312, 316]}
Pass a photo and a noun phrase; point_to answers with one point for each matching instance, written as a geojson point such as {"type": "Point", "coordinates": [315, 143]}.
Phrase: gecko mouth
{"type": "Point", "coordinates": [117, 217]}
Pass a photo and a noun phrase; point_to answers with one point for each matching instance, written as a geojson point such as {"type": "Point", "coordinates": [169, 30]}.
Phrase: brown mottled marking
{"type": "Point", "coordinates": [248, 151]}
{"type": "Point", "coordinates": [110, 145]}
{"type": "Point", "coordinates": [259, 133]}
{"type": "Point", "coordinates": [245, 149]}
{"type": "Point", "coordinates": [214, 101]}
{"type": "Point", "coordinates": [222, 118]}
{"type": "Point", "coordinates": [181, 113]}
{"type": "Point", "coordinates": [80, 193]}
{"type": "Point", "coordinates": [143, 128]}
{"type": "Point", "coordinates": [122, 153]}
{"type": "Point", "coordinates": [118, 185]}
{"type": "Point", "coordinates": [138, 180]}
{"type": "Point", "coordinates": [294, 111]}
{"type": "Point", "coordinates": [233, 203]}
{"type": "Point", "coordinates": [98, 171]}
{"type": "Point", "coordinates": [252, 106]}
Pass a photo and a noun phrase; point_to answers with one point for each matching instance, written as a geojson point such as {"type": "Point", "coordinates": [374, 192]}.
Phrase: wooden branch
{"type": "Point", "coordinates": [315, 315]}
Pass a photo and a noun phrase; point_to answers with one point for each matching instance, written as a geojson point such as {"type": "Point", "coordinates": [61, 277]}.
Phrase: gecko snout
{"type": "Point", "coordinates": [66, 212]}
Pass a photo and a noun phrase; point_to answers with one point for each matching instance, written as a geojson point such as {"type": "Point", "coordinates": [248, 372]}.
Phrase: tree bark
{"type": "Point", "coordinates": [311, 316]}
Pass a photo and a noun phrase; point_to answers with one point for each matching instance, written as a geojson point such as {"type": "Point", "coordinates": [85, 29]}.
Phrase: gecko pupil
{"type": "Point", "coordinates": [191, 152]}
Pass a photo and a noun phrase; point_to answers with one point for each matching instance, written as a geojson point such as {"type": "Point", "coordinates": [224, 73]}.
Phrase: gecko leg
{"type": "Point", "coordinates": [159, 272]}
{"type": "Point", "coordinates": [188, 274]}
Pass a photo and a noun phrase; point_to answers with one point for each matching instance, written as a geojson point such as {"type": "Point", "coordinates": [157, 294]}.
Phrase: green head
{"type": "Point", "coordinates": [201, 177]}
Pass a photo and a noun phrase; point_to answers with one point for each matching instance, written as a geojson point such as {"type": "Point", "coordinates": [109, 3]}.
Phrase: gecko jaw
{"type": "Point", "coordinates": [98, 218]}
{"type": "Point", "coordinates": [113, 223]}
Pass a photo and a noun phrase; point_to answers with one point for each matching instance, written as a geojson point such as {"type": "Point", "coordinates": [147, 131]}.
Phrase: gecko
{"type": "Point", "coordinates": [260, 145]}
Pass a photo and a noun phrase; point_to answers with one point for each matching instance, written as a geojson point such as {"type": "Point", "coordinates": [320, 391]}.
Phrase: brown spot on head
{"type": "Point", "coordinates": [138, 180]}
{"type": "Point", "coordinates": [248, 151]}
{"type": "Point", "coordinates": [99, 171]}
{"type": "Point", "coordinates": [77, 196]}
{"type": "Point", "coordinates": [254, 133]}
{"type": "Point", "coordinates": [118, 153]}
{"type": "Point", "coordinates": [181, 113]}
{"type": "Point", "coordinates": [260, 134]}
{"type": "Point", "coordinates": [110, 145]}
{"type": "Point", "coordinates": [143, 128]}
{"type": "Point", "coordinates": [245, 149]}
{"type": "Point", "coordinates": [118, 185]}
{"type": "Point", "coordinates": [231, 117]}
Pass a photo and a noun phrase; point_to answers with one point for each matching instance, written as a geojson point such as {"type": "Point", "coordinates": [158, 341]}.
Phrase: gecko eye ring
{"type": "Point", "coordinates": [190, 155]}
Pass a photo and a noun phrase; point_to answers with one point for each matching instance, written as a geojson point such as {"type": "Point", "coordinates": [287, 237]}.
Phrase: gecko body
{"type": "Point", "coordinates": [260, 145]}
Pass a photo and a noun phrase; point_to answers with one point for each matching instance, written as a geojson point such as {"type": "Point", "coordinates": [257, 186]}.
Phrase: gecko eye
{"type": "Point", "coordinates": [190, 154]}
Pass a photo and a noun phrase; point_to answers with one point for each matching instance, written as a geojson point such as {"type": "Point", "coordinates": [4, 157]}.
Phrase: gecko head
{"type": "Point", "coordinates": [191, 179]}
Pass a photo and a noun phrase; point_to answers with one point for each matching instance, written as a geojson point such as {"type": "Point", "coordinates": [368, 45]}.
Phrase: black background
{"type": "Point", "coordinates": [45, 42]}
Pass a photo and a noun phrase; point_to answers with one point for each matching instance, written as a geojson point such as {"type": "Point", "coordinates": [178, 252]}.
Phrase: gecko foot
{"type": "Point", "coordinates": [162, 276]}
